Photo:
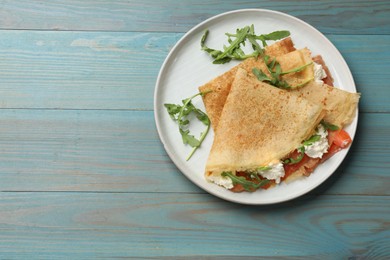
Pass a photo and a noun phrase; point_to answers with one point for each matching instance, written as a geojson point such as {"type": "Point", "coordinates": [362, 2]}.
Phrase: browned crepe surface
{"type": "Point", "coordinates": [259, 124]}
{"type": "Point", "coordinates": [340, 105]}
{"type": "Point", "coordinates": [220, 86]}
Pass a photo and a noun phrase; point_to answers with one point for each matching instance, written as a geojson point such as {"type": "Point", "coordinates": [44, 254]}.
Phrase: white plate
{"type": "Point", "coordinates": [187, 67]}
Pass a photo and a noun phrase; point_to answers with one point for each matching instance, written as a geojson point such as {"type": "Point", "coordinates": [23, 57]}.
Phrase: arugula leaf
{"type": "Point", "coordinates": [272, 36]}
{"type": "Point", "coordinates": [180, 113]}
{"type": "Point", "coordinates": [214, 53]}
{"type": "Point", "coordinates": [240, 38]}
{"type": "Point", "coordinates": [301, 150]}
{"type": "Point", "coordinates": [297, 69]}
{"type": "Point", "coordinates": [247, 185]}
{"type": "Point", "coordinates": [264, 168]}
{"type": "Point", "coordinates": [189, 139]}
{"type": "Point", "coordinates": [328, 126]}
{"type": "Point", "coordinates": [311, 140]}
{"type": "Point", "coordinates": [255, 46]}
{"type": "Point", "coordinates": [234, 52]}
{"type": "Point", "coordinates": [276, 35]}
{"type": "Point", "coordinates": [290, 160]}
{"type": "Point", "coordinates": [242, 35]}
{"type": "Point", "coordinates": [260, 75]}
{"type": "Point", "coordinates": [275, 70]}
{"type": "Point", "coordinates": [173, 110]}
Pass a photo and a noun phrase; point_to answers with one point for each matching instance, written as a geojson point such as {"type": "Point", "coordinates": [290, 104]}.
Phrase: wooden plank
{"type": "Point", "coordinates": [84, 151]}
{"type": "Point", "coordinates": [106, 225]}
{"type": "Point", "coordinates": [104, 70]}
{"type": "Point", "coordinates": [365, 65]}
{"type": "Point", "coordinates": [338, 17]}
{"type": "Point", "coordinates": [119, 151]}
{"type": "Point", "coordinates": [80, 70]}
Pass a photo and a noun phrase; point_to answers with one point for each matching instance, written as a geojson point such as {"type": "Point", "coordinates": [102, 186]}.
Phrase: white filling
{"type": "Point", "coordinates": [225, 182]}
{"type": "Point", "coordinates": [319, 73]}
{"type": "Point", "coordinates": [318, 148]}
{"type": "Point", "coordinates": [275, 172]}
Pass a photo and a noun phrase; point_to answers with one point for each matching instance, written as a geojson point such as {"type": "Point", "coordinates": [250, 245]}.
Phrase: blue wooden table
{"type": "Point", "coordinates": [84, 175]}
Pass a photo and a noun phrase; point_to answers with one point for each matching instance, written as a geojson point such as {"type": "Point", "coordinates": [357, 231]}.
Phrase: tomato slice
{"type": "Point", "coordinates": [239, 188]}
{"type": "Point", "coordinates": [306, 166]}
{"type": "Point", "coordinates": [331, 151]}
{"type": "Point", "coordinates": [340, 138]}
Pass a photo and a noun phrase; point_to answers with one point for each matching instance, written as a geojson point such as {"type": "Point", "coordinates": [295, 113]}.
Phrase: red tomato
{"type": "Point", "coordinates": [340, 138]}
{"type": "Point", "coordinates": [291, 168]}
{"type": "Point", "coordinates": [240, 188]}
{"type": "Point", "coordinates": [331, 151]}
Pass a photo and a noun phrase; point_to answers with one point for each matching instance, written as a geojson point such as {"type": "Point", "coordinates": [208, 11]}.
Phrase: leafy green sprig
{"type": "Point", "coordinates": [263, 168]}
{"type": "Point", "coordinates": [276, 73]}
{"type": "Point", "coordinates": [308, 142]}
{"type": "Point", "coordinates": [180, 113]}
{"type": "Point", "coordinates": [301, 150]}
{"type": "Point", "coordinates": [246, 184]}
{"type": "Point", "coordinates": [234, 51]}
{"type": "Point", "coordinates": [296, 160]}
{"type": "Point", "coordinates": [311, 140]}
{"type": "Point", "coordinates": [328, 126]}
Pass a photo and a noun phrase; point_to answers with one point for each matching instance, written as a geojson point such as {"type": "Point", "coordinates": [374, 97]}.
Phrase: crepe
{"type": "Point", "coordinates": [259, 125]}
{"type": "Point", "coordinates": [340, 105]}
{"type": "Point", "coordinates": [293, 60]}
{"type": "Point", "coordinates": [220, 86]}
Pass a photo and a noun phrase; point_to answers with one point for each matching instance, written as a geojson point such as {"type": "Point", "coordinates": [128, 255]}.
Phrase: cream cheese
{"type": "Point", "coordinates": [274, 171]}
{"type": "Point", "coordinates": [225, 182]}
{"type": "Point", "coordinates": [318, 148]}
{"type": "Point", "coordinates": [319, 73]}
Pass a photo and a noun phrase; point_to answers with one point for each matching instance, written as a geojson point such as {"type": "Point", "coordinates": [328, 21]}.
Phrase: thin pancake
{"type": "Point", "coordinates": [340, 105]}
{"type": "Point", "coordinates": [293, 60]}
{"type": "Point", "coordinates": [220, 86]}
{"type": "Point", "coordinates": [259, 125]}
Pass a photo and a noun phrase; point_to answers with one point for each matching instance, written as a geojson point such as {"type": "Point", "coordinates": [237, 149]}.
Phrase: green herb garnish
{"type": "Point", "coordinates": [247, 185]}
{"type": "Point", "coordinates": [301, 151]}
{"type": "Point", "coordinates": [242, 35]}
{"type": "Point", "coordinates": [328, 126]}
{"type": "Point", "coordinates": [263, 168]}
{"type": "Point", "coordinates": [274, 36]}
{"type": "Point", "coordinates": [275, 72]}
{"type": "Point", "coordinates": [311, 140]}
{"type": "Point", "coordinates": [179, 113]}
{"type": "Point", "coordinates": [296, 69]}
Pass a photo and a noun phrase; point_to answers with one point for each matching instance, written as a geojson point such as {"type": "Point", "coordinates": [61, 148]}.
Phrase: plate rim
{"type": "Point", "coordinates": [171, 153]}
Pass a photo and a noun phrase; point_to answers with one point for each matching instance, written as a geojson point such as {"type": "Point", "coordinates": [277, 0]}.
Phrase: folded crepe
{"type": "Point", "coordinates": [259, 126]}
{"type": "Point", "coordinates": [340, 105]}
{"type": "Point", "coordinates": [220, 86]}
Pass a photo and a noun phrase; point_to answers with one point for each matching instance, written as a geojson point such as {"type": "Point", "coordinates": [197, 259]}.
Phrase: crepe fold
{"type": "Point", "coordinates": [259, 125]}
{"type": "Point", "coordinates": [340, 105]}
{"type": "Point", "coordinates": [220, 86]}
